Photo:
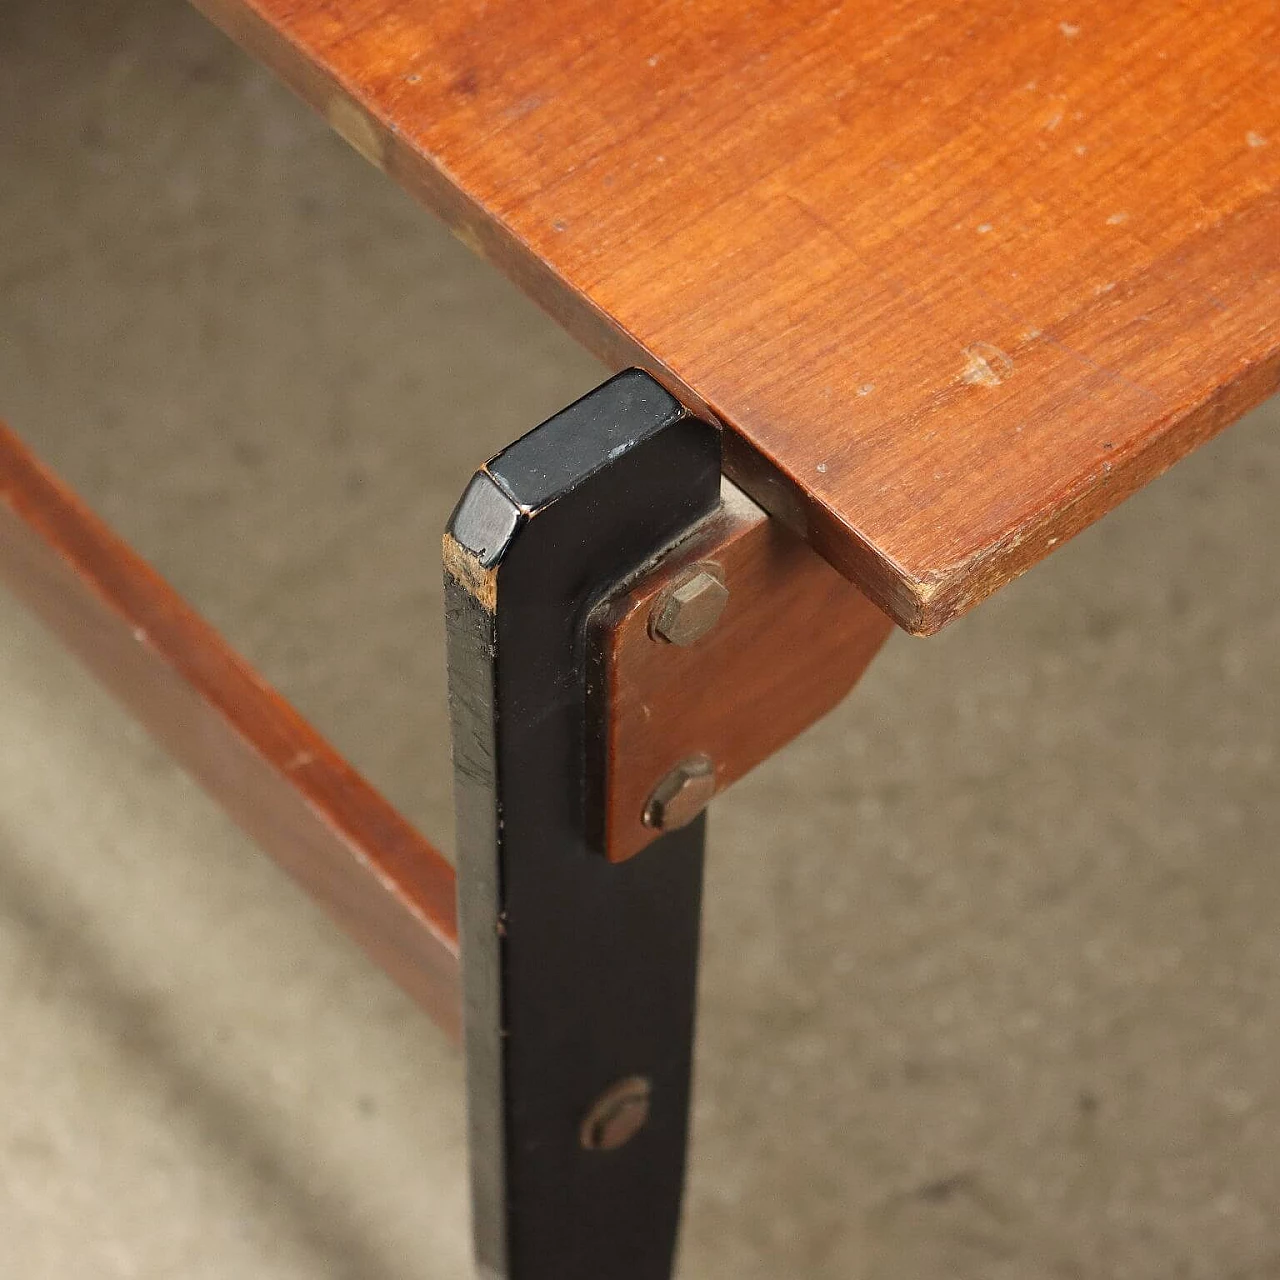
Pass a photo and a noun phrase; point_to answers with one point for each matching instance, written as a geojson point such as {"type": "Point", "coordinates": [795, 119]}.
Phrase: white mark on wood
{"type": "Point", "coordinates": [822, 468]}
{"type": "Point", "coordinates": [1082, 150]}
{"type": "Point", "coordinates": [1069, 29]}
{"type": "Point", "coordinates": [525, 107]}
{"type": "Point", "coordinates": [1053, 119]}
{"type": "Point", "coordinates": [985, 365]}
{"type": "Point", "coordinates": [655, 59]}
{"type": "Point", "coordinates": [1104, 288]}
{"type": "Point", "coordinates": [866, 389]}
{"type": "Point", "coordinates": [1255, 139]}
{"type": "Point", "coordinates": [1117, 218]}
{"type": "Point", "coordinates": [470, 238]}
{"type": "Point", "coordinates": [984, 227]}
{"type": "Point", "coordinates": [351, 123]}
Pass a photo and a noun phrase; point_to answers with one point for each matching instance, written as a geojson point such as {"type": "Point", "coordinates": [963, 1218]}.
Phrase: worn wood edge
{"type": "Point", "coordinates": [463, 566]}
{"type": "Point", "coordinates": [272, 772]}
{"type": "Point", "coordinates": [947, 596]}
{"type": "Point", "coordinates": [921, 604]}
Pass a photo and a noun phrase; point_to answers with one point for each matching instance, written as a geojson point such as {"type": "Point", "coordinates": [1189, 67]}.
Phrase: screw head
{"type": "Point", "coordinates": [691, 606]}
{"type": "Point", "coordinates": [681, 795]}
{"type": "Point", "coordinates": [617, 1115]}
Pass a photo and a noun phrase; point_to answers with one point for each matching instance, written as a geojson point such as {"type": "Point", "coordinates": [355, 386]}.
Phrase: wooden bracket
{"type": "Point", "coordinates": [792, 639]}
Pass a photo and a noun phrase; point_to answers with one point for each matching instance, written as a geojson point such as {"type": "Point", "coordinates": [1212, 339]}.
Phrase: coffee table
{"type": "Point", "coordinates": [907, 296]}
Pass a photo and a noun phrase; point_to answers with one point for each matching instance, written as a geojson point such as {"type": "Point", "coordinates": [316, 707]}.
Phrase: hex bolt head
{"type": "Point", "coordinates": [681, 795]}
{"type": "Point", "coordinates": [617, 1115]}
{"type": "Point", "coordinates": [691, 606]}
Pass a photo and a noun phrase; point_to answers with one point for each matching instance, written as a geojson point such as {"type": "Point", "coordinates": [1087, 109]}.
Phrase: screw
{"type": "Point", "coordinates": [617, 1115]}
{"type": "Point", "coordinates": [691, 606]}
{"type": "Point", "coordinates": [681, 795]}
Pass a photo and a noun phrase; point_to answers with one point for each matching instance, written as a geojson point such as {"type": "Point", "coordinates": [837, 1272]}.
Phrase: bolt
{"type": "Point", "coordinates": [617, 1115]}
{"type": "Point", "coordinates": [681, 795]}
{"type": "Point", "coordinates": [691, 606]}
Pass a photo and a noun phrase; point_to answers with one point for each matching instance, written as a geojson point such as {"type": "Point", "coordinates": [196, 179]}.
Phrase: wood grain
{"type": "Point", "coordinates": [958, 277]}
{"type": "Point", "coordinates": [793, 640]}
{"type": "Point", "coordinates": [250, 750]}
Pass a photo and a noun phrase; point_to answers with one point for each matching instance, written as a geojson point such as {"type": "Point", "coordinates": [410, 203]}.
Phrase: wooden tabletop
{"type": "Point", "coordinates": [956, 276]}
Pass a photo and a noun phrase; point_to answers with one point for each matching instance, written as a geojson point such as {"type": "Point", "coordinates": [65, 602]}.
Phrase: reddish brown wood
{"type": "Point", "coordinates": [958, 276]}
{"type": "Point", "coordinates": [792, 641]}
{"type": "Point", "coordinates": [254, 754]}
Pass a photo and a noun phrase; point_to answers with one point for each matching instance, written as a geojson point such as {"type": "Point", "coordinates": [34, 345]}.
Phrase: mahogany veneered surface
{"type": "Point", "coordinates": [248, 748]}
{"type": "Point", "coordinates": [957, 276]}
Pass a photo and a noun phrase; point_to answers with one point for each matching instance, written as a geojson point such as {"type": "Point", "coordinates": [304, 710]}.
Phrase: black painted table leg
{"type": "Point", "coordinates": [579, 975]}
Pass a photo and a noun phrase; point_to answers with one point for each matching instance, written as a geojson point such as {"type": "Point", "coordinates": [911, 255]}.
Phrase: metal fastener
{"type": "Point", "coordinates": [617, 1115]}
{"type": "Point", "coordinates": [682, 794]}
{"type": "Point", "coordinates": [691, 606]}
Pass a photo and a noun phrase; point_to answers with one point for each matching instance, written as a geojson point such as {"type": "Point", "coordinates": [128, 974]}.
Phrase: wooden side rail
{"type": "Point", "coordinates": [275, 775]}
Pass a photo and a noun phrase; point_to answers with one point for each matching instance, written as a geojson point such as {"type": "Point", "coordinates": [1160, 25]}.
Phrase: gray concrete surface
{"type": "Point", "coordinates": [992, 983]}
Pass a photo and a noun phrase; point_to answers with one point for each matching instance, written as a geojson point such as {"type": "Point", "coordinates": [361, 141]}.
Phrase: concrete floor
{"type": "Point", "coordinates": [992, 982]}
